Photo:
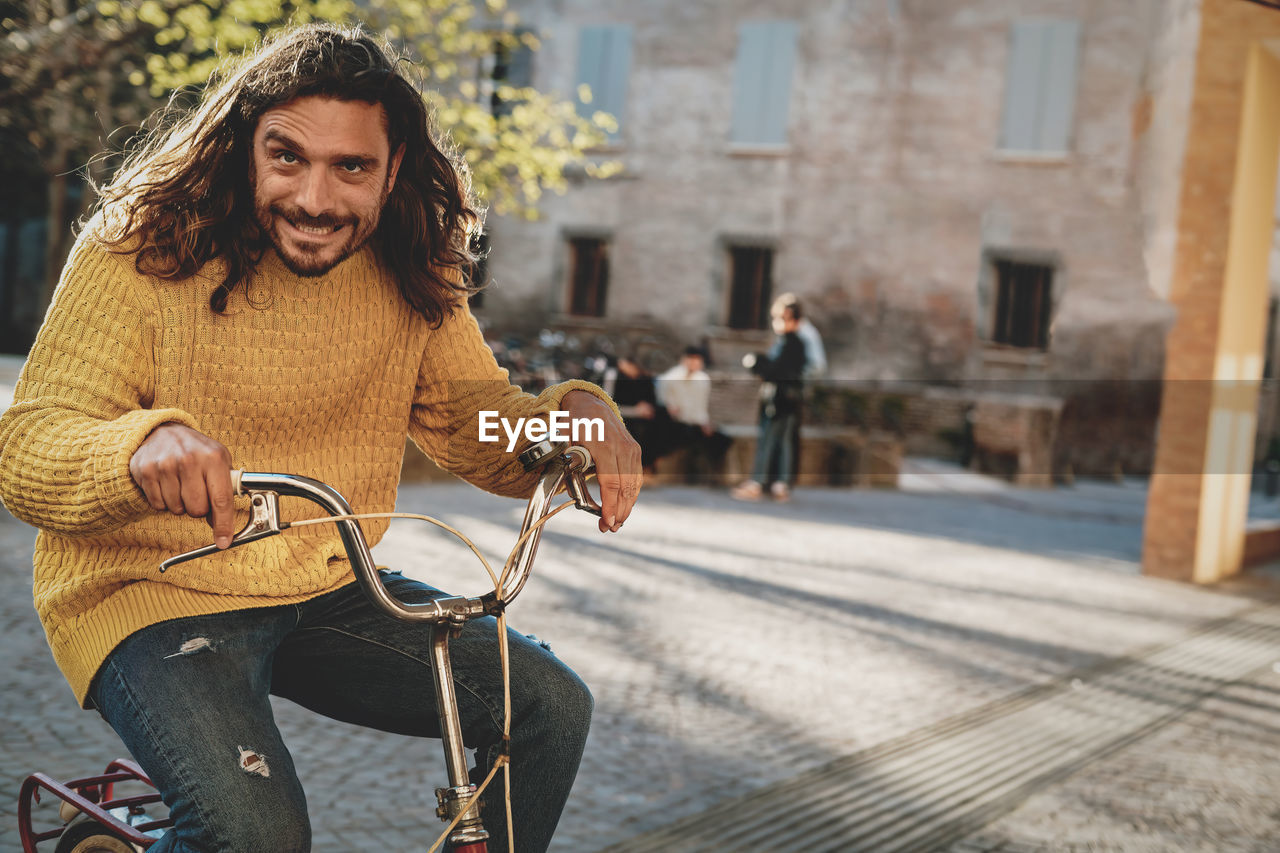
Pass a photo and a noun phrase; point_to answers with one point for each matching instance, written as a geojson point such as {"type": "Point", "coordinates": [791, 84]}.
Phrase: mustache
{"type": "Point", "coordinates": [299, 217]}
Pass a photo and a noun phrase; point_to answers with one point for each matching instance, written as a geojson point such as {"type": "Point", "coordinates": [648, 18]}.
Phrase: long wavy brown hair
{"type": "Point", "coordinates": [185, 198]}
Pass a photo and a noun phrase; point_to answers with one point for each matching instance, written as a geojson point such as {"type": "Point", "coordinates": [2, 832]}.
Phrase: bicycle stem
{"type": "Point", "coordinates": [453, 799]}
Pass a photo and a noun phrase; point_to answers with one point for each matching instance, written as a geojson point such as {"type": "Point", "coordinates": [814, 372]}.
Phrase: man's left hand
{"type": "Point", "coordinates": [617, 458]}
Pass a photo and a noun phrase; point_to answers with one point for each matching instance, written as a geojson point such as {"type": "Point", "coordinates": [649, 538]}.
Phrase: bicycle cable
{"type": "Point", "coordinates": [499, 581]}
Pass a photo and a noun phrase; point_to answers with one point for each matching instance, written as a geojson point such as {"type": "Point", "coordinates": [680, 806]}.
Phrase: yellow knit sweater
{"type": "Point", "coordinates": [315, 376]}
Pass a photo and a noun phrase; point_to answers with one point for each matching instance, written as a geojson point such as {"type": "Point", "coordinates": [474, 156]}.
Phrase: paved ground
{"type": "Point", "coordinates": [1206, 782]}
{"type": "Point", "coordinates": [730, 646]}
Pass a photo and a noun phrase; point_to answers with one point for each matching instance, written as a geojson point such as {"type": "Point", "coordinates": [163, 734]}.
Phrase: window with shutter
{"type": "Point", "coordinates": [762, 82]}
{"type": "Point", "coordinates": [604, 67]}
{"type": "Point", "coordinates": [1040, 86]}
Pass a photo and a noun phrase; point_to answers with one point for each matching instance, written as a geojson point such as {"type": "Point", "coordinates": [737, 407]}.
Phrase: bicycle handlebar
{"type": "Point", "coordinates": [563, 467]}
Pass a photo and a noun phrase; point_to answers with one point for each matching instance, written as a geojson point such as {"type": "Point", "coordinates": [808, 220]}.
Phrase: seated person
{"type": "Point", "coordinates": [635, 394]}
{"type": "Point", "coordinates": [685, 392]}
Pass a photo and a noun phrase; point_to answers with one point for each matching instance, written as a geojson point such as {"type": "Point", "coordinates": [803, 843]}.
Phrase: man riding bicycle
{"type": "Point", "coordinates": [274, 281]}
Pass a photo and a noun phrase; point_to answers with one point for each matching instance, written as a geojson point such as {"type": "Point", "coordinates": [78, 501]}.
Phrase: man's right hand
{"type": "Point", "coordinates": [185, 472]}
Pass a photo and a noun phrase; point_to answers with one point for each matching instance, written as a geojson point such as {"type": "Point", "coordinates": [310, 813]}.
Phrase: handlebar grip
{"type": "Point", "coordinates": [236, 475]}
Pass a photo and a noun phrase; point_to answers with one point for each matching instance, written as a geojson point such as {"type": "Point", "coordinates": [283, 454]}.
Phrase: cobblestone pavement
{"type": "Point", "coordinates": [733, 645]}
{"type": "Point", "coordinates": [1207, 783]}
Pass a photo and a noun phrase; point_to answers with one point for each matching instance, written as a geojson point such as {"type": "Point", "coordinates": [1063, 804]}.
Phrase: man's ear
{"type": "Point", "coordinates": [394, 167]}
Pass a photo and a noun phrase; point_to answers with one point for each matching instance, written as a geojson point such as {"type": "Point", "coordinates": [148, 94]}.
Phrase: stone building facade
{"type": "Point", "coordinates": [962, 192]}
{"type": "Point", "coordinates": [896, 199]}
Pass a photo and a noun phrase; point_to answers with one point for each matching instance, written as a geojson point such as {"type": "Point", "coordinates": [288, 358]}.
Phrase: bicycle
{"type": "Point", "coordinates": [95, 820]}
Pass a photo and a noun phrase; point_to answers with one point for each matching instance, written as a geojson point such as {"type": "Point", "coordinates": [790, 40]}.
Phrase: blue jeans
{"type": "Point", "coordinates": [189, 699]}
{"type": "Point", "coordinates": [775, 447]}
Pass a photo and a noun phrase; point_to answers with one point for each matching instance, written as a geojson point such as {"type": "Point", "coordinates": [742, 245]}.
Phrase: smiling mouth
{"type": "Point", "coordinates": [317, 230]}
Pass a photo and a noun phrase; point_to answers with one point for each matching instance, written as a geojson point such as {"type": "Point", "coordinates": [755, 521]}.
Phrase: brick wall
{"type": "Point", "coordinates": [1228, 31]}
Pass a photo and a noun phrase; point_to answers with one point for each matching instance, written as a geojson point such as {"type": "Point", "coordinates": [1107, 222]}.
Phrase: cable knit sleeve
{"type": "Point", "coordinates": [458, 379]}
{"type": "Point", "coordinates": [81, 406]}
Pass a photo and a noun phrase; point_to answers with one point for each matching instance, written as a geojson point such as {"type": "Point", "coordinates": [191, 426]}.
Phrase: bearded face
{"type": "Point", "coordinates": [322, 172]}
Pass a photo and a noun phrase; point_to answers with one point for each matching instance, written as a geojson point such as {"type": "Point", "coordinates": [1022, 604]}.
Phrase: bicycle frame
{"type": "Point", "coordinates": [93, 796]}
{"type": "Point", "coordinates": [563, 468]}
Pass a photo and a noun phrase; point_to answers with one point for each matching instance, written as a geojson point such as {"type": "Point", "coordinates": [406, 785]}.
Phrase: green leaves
{"type": "Point", "coordinates": [515, 156]}
{"type": "Point", "coordinates": [76, 82]}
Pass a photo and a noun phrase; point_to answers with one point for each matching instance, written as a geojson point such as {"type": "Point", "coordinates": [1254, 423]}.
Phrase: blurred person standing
{"type": "Point", "coordinates": [815, 358]}
{"type": "Point", "coordinates": [814, 352]}
{"type": "Point", "coordinates": [781, 401]}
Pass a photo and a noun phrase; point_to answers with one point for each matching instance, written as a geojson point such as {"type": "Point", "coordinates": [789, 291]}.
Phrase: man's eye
{"type": "Point", "coordinates": [353, 168]}
{"type": "Point", "coordinates": [287, 157]}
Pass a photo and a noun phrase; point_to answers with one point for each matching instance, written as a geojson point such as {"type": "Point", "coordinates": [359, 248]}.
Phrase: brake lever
{"type": "Point", "coordinates": [576, 480]}
{"type": "Point", "coordinates": [264, 521]}
{"type": "Point", "coordinates": [577, 461]}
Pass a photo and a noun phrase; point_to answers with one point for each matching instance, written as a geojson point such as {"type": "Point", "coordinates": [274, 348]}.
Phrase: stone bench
{"type": "Point", "coordinates": [1014, 436]}
{"type": "Point", "coordinates": [829, 456]}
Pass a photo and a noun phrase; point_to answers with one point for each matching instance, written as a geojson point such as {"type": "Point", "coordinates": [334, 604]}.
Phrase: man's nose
{"type": "Point", "coordinates": [315, 193]}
